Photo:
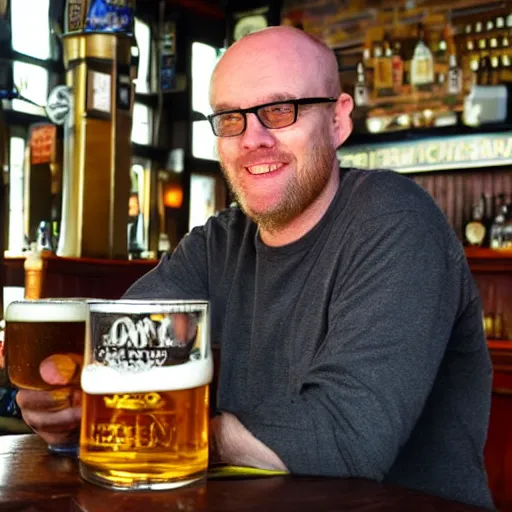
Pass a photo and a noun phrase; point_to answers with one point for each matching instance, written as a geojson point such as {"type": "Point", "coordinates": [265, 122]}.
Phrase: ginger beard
{"type": "Point", "coordinates": [301, 190]}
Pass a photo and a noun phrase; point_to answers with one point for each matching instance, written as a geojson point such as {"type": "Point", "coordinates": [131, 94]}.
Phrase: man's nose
{"type": "Point", "coordinates": [256, 135]}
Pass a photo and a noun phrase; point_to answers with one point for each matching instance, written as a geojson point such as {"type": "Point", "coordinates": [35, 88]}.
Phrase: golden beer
{"type": "Point", "coordinates": [36, 330]}
{"type": "Point", "coordinates": [145, 408]}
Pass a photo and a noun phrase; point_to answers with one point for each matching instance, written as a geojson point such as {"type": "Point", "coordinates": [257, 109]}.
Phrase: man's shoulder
{"type": "Point", "coordinates": [381, 191]}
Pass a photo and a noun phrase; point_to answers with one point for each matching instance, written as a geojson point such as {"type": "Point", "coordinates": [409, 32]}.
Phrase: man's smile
{"type": "Point", "coordinates": [264, 169]}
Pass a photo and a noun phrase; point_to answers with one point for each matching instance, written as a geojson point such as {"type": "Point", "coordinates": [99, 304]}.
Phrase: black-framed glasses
{"type": "Point", "coordinates": [273, 115]}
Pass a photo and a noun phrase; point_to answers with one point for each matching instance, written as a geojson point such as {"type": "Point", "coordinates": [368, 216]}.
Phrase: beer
{"type": "Point", "coordinates": [38, 329]}
{"type": "Point", "coordinates": [148, 430]}
{"type": "Point", "coordinates": [145, 408]}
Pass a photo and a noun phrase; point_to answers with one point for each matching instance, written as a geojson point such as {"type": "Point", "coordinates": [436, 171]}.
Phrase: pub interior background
{"type": "Point", "coordinates": [108, 160]}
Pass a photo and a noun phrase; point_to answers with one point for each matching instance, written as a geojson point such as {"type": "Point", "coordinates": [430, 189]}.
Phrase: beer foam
{"type": "Point", "coordinates": [46, 311]}
{"type": "Point", "coordinates": [102, 380]}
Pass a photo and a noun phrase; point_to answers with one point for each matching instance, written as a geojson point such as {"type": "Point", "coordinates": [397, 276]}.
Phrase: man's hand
{"type": "Point", "coordinates": [232, 443]}
{"type": "Point", "coordinates": [55, 415]}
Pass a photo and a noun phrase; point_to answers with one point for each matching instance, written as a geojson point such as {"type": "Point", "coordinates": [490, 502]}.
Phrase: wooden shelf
{"type": "Point", "coordinates": [499, 344]}
{"type": "Point", "coordinates": [489, 260]}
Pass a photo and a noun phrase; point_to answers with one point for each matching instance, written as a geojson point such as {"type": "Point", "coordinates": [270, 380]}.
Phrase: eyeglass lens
{"type": "Point", "coordinates": [272, 116]}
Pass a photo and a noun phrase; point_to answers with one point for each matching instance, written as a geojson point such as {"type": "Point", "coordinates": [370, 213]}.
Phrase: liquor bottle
{"type": "Point", "coordinates": [454, 76]}
{"type": "Point", "coordinates": [377, 56]}
{"type": "Point", "coordinates": [422, 63]}
{"type": "Point", "coordinates": [488, 218]}
{"type": "Point", "coordinates": [507, 227]}
{"type": "Point", "coordinates": [44, 243]}
{"type": "Point", "coordinates": [505, 53]}
{"type": "Point", "coordinates": [361, 96]}
{"type": "Point", "coordinates": [484, 69]}
{"type": "Point", "coordinates": [442, 47]}
{"type": "Point", "coordinates": [500, 23]}
{"type": "Point", "coordinates": [398, 68]}
{"type": "Point", "coordinates": [481, 41]}
{"type": "Point", "coordinates": [494, 62]}
{"type": "Point", "coordinates": [383, 79]}
{"type": "Point", "coordinates": [470, 46]}
{"type": "Point", "coordinates": [368, 65]}
{"type": "Point", "coordinates": [474, 66]}
{"type": "Point", "coordinates": [474, 231]}
{"type": "Point", "coordinates": [496, 235]}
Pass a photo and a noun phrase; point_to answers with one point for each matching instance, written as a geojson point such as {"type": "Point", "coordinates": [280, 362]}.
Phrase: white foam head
{"type": "Point", "coordinates": [102, 380]}
{"type": "Point", "coordinates": [46, 311]}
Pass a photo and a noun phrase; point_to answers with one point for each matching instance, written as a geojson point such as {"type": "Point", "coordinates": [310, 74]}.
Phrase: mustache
{"type": "Point", "coordinates": [258, 156]}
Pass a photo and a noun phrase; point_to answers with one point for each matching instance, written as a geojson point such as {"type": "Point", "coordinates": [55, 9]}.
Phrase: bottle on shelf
{"type": "Point", "coordinates": [481, 41]}
{"type": "Point", "coordinates": [475, 230]}
{"type": "Point", "coordinates": [496, 235]}
{"type": "Point", "coordinates": [488, 218]}
{"type": "Point", "coordinates": [383, 74]}
{"type": "Point", "coordinates": [505, 58]}
{"type": "Point", "coordinates": [44, 238]}
{"type": "Point", "coordinates": [398, 68]}
{"type": "Point", "coordinates": [468, 35]}
{"type": "Point", "coordinates": [422, 63]}
{"type": "Point", "coordinates": [484, 70]}
{"type": "Point", "coordinates": [494, 71]}
{"type": "Point", "coordinates": [454, 76]}
{"type": "Point", "coordinates": [361, 93]}
{"type": "Point", "coordinates": [442, 47]}
{"type": "Point", "coordinates": [507, 227]}
{"type": "Point", "coordinates": [499, 24]}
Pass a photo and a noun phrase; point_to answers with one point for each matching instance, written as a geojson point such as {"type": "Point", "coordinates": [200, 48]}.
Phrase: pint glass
{"type": "Point", "coordinates": [37, 329]}
{"type": "Point", "coordinates": [146, 379]}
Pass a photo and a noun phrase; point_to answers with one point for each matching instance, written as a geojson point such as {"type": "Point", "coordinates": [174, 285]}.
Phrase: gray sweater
{"type": "Point", "coordinates": [357, 350]}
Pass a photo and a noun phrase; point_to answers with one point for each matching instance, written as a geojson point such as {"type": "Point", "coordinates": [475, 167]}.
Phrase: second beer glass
{"type": "Point", "coordinates": [146, 377]}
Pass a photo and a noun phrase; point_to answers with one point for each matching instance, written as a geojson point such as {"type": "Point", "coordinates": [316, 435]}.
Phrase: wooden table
{"type": "Point", "coordinates": [33, 480]}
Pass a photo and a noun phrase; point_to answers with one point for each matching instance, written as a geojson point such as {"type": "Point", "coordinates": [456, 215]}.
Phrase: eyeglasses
{"type": "Point", "coordinates": [274, 115]}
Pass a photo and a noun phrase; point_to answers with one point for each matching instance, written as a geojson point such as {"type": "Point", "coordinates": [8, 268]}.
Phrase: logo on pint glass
{"type": "Point", "coordinates": [145, 343]}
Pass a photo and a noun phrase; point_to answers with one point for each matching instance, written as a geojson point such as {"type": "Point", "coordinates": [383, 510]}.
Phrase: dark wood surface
{"type": "Point", "coordinates": [33, 480]}
{"type": "Point", "coordinates": [81, 277]}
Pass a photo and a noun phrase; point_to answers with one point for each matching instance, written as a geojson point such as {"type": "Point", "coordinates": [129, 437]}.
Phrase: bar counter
{"type": "Point", "coordinates": [33, 480]}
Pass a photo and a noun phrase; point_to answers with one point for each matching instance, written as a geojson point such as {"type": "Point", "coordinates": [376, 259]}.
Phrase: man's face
{"type": "Point", "coordinates": [274, 174]}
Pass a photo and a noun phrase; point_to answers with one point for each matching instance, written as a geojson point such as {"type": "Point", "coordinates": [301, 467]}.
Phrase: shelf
{"type": "Point", "coordinates": [499, 344]}
{"type": "Point", "coordinates": [358, 137]}
{"type": "Point", "coordinates": [489, 260]}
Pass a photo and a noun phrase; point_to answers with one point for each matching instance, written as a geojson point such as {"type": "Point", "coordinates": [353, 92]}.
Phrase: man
{"type": "Point", "coordinates": [350, 328]}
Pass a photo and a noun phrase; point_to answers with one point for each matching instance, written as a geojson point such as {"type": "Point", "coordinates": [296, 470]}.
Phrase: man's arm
{"type": "Point", "coordinates": [182, 274]}
{"type": "Point", "coordinates": [232, 443]}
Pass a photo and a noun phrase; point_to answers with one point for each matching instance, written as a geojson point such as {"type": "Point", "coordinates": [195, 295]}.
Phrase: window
{"type": "Point", "coordinates": [143, 37]}
{"type": "Point", "coordinates": [31, 82]}
{"type": "Point", "coordinates": [202, 199]}
{"type": "Point", "coordinates": [204, 59]}
{"type": "Point", "coordinates": [138, 208]}
{"type": "Point", "coordinates": [16, 195]}
{"type": "Point", "coordinates": [30, 33]}
{"type": "Point", "coordinates": [141, 124]}
{"type": "Point", "coordinates": [203, 141]}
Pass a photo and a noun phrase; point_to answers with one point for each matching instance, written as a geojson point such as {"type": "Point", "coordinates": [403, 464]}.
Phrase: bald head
{"type": "Point", "coordinates": [284, 55]}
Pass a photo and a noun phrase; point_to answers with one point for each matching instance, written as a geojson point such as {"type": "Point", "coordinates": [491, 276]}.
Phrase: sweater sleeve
{"type": "Point", "coordinates": [180, 275]}
{"type": "Point", "coordinates": [392, 311]}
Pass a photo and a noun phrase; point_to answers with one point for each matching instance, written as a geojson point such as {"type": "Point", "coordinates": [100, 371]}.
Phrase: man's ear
{"type": "Point", "coordinates": [342, 122]}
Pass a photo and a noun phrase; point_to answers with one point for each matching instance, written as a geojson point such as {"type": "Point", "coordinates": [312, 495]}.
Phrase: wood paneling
{"type": "Point", "coordinates": [456, 192]}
